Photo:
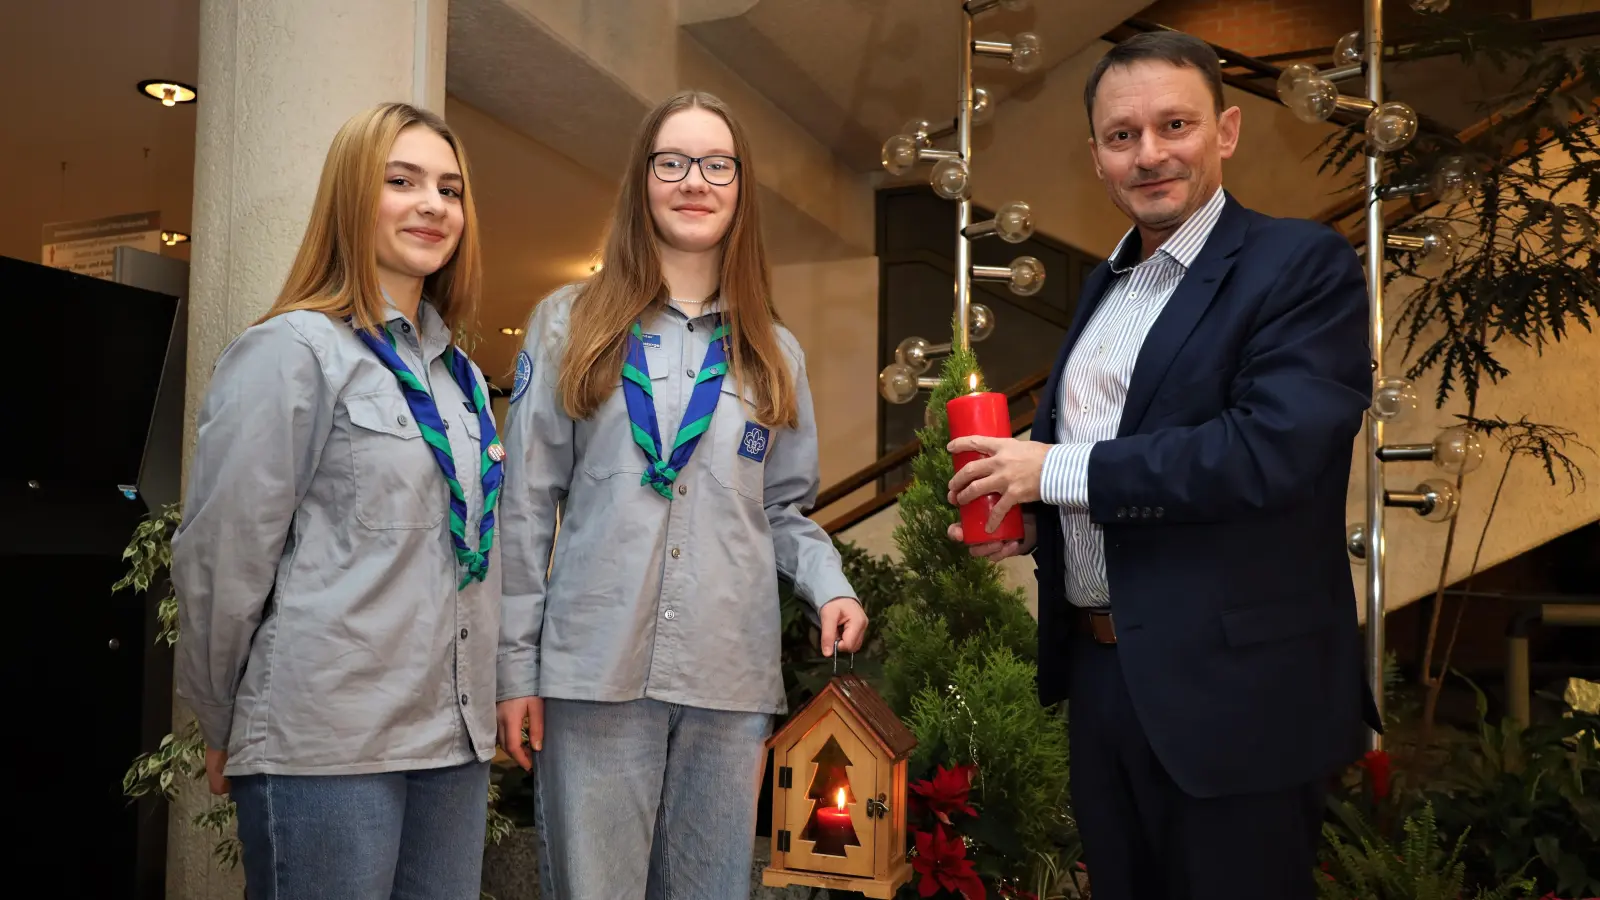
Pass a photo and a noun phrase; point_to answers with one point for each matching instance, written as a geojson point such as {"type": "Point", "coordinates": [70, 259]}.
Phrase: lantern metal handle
{"type": "Point", "coordinates": [836, 658]}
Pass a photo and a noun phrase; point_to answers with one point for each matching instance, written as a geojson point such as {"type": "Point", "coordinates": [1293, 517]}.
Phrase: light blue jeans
{"type": "Point", "coordinates": [623, 783]}
{"type": "Point", "coordinates": [392, 836]}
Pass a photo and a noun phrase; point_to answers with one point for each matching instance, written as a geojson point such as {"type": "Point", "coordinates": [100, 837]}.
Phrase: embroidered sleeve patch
{"type": "Point", "coordinates": [524, 375]}
{"type": "Point", "coordinates": [754, 444]}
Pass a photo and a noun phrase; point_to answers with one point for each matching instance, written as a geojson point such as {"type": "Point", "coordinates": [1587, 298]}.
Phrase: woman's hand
{"type": "Point", "coordinates": [216, 761]}
{"type": "Point", "coordinates": [519, 716]}
{"type": "Point", "coordinates": [843, 620]}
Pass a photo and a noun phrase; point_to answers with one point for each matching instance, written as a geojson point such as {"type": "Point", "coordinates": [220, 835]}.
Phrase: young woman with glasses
{"type": "Point", "coordinates": [665, 412]}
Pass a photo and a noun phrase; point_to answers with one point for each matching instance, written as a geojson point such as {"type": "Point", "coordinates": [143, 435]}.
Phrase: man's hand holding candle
{"type": "Point", "coordinates": [1011, 469]}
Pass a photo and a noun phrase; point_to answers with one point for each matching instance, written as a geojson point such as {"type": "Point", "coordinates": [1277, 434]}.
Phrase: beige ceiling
{"type": "Point", "coordinates": [853, 72]}
{"type": "Point", "coordinates": [849, 71]}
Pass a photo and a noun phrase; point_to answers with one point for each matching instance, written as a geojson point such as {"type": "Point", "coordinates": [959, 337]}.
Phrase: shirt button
{"type": "Point", "coordinates": [683, 490]}
{"type": "Point", "coordinates": [669, 615]}
{"type": "Point", "coordinates": [463, 634]}
{"type": "Point", "coordinates": [1085, 407]}
{"type": "Point", "coordinates": [402, 420]}
{"type": "Point", "coordinates": [405, 327]}
{"type": "Point", "coordinates": [689, 372]}
{"type": "Point", "coordinates": [691, 326]}
{"type": "Point", "coordinates": [463, 699]}
{"type": "Point", "coordinates": [674, 552]}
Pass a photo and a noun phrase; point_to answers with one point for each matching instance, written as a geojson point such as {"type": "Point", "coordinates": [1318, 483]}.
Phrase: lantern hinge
{"type": "Point", "coordinates": [785, 777]}
{"type": "Point", "coordinates": [783, 842]}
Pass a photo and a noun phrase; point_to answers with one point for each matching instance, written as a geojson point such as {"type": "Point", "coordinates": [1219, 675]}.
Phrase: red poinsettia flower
{"type": "Point", "coordinates": [942, 862]}
{"type": "Point", "coordinates": [946, 793]}
{"type": "Point", "coordinates": [1377, 764]}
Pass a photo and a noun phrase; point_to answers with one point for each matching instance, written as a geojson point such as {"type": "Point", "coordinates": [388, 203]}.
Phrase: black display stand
{"type": "Point", "coordinates": [95, 444]}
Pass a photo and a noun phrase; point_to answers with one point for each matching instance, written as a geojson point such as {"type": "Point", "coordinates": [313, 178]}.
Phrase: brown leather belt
{"type": "Point", "coordinates": [1098, 625]}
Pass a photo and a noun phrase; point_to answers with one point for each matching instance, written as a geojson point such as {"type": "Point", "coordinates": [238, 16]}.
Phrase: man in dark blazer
{"type": "Point", "coordinates": [1185, 492]}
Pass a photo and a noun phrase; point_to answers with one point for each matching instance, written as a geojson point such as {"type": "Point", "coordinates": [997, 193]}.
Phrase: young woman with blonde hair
{"type": "Point", "coordinates": [665, 411]}
{"type": "Point", "coordinates": [336, 579]}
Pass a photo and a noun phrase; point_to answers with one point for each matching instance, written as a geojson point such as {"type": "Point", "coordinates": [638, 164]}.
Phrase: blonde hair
{"type": "Point", "coordinates": [631, 280]}
{"type": "Point", "coordinates": [336, 269]}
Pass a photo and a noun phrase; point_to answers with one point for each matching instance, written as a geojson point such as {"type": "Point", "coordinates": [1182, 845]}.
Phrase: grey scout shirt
{"type": "Point", "coordinates": [322, 629]}
{"type": "Point", "coordinates": [674, 600]}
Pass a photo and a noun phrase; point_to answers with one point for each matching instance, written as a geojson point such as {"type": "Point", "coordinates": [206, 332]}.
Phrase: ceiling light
{"type": "Point", "coordinates": [174, 238]}
{"type": "Point", "coordinates": [170, 93]}
{"type": "Point", "coordinates": [597, 267]}
{"type": "Point", "coordinates": [511, 331]}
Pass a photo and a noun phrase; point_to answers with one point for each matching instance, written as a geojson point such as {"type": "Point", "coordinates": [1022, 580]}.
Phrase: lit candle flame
{"type": "Point", "coordinates": [972, 382]}
{"type": "Point", "coordinates": [839, 798]}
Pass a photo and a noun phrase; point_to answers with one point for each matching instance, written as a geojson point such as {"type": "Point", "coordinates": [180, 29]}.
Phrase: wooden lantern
{"type": "Point", "coordinates": [839, 795]}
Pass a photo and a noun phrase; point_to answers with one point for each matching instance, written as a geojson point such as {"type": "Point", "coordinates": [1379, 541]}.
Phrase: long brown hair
{"type": "Point", "coordinates": [336, 270]}
{"type": "Point", "coordinates": [630, 281]}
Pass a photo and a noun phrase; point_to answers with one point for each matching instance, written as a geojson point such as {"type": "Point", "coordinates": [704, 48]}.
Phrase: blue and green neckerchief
{"type": "Point", "coordinates": [474, 563]}
{"type": "Point", "coordinates": [663, 469]}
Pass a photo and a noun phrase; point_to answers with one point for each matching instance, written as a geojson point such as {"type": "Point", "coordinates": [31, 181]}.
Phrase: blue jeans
{"type": "Point", "coordinates": [645, 799]}
{"type": "Point", "coordinates": [390, 836]}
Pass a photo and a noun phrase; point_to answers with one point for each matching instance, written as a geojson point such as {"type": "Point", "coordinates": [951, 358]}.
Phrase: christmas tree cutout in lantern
{"type": "Point", "coordinates": [839, 795]}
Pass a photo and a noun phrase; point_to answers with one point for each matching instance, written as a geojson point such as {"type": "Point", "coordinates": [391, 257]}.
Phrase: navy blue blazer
{"type": "Point", "coordinates": [1222, 500]}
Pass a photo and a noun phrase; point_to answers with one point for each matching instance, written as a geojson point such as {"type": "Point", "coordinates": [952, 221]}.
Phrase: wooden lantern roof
{"type": "Point", "coordinates": [868, 707]}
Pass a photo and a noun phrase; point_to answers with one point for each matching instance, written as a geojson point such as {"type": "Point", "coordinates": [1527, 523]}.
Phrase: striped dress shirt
{"type": "Point", "coordinates": [1094, 386]}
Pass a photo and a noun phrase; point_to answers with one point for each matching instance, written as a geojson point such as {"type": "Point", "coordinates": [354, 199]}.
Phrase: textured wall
{"type": "Point", "coordinates": [278, 77]}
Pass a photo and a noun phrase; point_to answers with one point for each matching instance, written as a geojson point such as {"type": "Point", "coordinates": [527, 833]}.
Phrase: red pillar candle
{"type": "Point", "coordinates": [982, 414]}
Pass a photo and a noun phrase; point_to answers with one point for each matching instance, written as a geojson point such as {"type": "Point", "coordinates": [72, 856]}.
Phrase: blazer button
{"type": "Point", "coordinates": [1160, 512]}
{"type": "Point", "coordinates": [1146, 513]}
{"type": "Point", "coordinates": [1122, 512]}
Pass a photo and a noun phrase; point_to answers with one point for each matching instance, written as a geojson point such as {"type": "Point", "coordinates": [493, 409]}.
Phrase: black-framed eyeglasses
{"type": "Point", "coordinates": [717, 170]}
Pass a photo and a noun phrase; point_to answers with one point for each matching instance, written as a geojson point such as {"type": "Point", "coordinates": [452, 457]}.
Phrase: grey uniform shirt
{"type": "Point", "coordinates": [675, 600]}
{"type": "Point", "coordinates": [322, 629]}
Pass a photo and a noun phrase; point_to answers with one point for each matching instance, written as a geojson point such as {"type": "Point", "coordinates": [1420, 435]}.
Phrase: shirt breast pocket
{"type": "Point", "coordinates": [398, 484]}
{"type": "Point", "coordinates": [738, 457]}
{"type": "Point", "coordinates": [610, 448]}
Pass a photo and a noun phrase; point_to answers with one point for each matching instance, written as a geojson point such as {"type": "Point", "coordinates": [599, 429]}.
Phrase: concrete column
{"type": "Point", "coordinates": [277, 79]}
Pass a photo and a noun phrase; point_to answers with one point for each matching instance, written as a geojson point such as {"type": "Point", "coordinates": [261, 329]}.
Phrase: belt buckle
{"type": "Point", "coordinates": [1101, 626]}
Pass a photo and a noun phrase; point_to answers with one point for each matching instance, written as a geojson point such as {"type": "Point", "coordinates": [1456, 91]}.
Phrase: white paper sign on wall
{"type": "Point", "coordinates": [87, 246]}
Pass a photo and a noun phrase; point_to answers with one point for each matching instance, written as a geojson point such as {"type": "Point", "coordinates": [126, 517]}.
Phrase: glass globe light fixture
{"type": "Point", "coordinates": [900, 154]}
{"type": "Point", "coordinates": [897, 383]}
{"type": "Point", "coordinates": [1393, 399]}
{"type": "Point", "coordinates": [1440, 244]}
{"type": "Point", "coordinates": [1355, 543]}
{"type": "Point", "coordinates": [1027, 54]}
{"type": "Point", "coordinates": [1313, 99]}
{"type": "Point", "coordinates": [1291, 77]}
{"type": "Point", "coordinates": [1013, 222]}
{"type": "Point", "coordinates": [918, 130]}
{"type": "Point", "coordinates": [980, 322]}
{"type": "Point", "coordinates": [982, 106]}
{"type": "Point", "coordinates": [1455, 179]}
{"type": "Point", "coordinates": [1444, 500]}
{"type": "Point", "coordinates": [951, 179]}
{"type": "Point", "coordinates": [1027, 276]}
{"type": "Point", "coordinates": [1391, 126]}
{"type": "Point", "coordinates": [1430, 6]}
{"type": "Point", "coordinates": [1349, 50]}
{"type": "Point", "coordinates": [1457, 450]}
{"type": "Point", "coordinates": [913, 354]}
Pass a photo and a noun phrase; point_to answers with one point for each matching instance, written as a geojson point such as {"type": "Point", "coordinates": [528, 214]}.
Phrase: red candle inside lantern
{"type": "Point", "coordinates": [982, 414]}
{"type": "Point", "coordinates": [835, 818]}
